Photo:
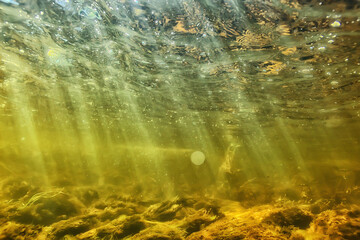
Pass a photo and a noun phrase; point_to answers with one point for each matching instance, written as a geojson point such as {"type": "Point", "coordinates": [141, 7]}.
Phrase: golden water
{"type": "Point", "coordinates": [98, 93]}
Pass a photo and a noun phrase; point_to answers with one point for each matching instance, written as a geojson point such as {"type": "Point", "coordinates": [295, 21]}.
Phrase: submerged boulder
{"type": "Point", "coordinates": [290, 217]}
{"type": "Point", "coordinates": [45, 208]}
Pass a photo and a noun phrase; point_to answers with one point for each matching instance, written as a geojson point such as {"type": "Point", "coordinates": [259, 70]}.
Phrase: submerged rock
{"type": "Point", "coordinates": [89, 196]}
{"type": "Point", "coordinates": [113, 213]}
{"type": "Point", "coordinates": [340, 224]}
{"type": "Point", "coordinates": [45, 208]}
{"type": "Point", "coordinates": [160, 232]}
{"type": "Point", "coordinates": [15, 188]}
{"type": "Point", "coordinates": [253, 192]}
{"type": "Point", "coordinates": [71, 227]}
{"type": "Point", "coordinates": [165, 211]}
{"type": "Point", "coordinates": [130, 226]}
{"type": "Point", "coordinates": [12, 230]}
{"type": "Point", "coordinates": [117, 229]}
{"type": "Point", "coordinates": [321, 205]}
{"type": "Point", "coordinates": [290, 217]}
{"type": "Point", "coordinates": [197, 222]}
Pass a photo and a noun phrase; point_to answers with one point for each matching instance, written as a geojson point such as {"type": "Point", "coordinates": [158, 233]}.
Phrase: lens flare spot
{"type": "Point", "coordinates": [198, 158]}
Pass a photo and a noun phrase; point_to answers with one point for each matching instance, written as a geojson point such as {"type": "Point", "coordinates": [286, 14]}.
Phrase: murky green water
{"type": "Point", "coordinates": [122, 93]}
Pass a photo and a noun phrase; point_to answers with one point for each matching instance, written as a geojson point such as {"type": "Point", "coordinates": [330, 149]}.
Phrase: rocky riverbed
{"type": "Point", "coordinates": [105, 212]}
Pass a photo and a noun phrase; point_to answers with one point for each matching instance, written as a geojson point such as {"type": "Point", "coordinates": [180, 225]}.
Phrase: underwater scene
{"type": "Point", "coordinates": [180, 119]}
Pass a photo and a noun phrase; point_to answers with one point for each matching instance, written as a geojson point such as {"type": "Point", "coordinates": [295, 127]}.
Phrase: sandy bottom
{"type": "Point", "coordinates": [107, 213]}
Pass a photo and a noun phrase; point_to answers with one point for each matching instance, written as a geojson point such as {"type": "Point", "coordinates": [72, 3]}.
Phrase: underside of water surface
{"type": "Point", "coordinates": [184, 119]}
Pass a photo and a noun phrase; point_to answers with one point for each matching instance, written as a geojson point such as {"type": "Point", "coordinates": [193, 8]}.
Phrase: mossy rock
{"type": "Point", "coordinates": [290, 217]}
